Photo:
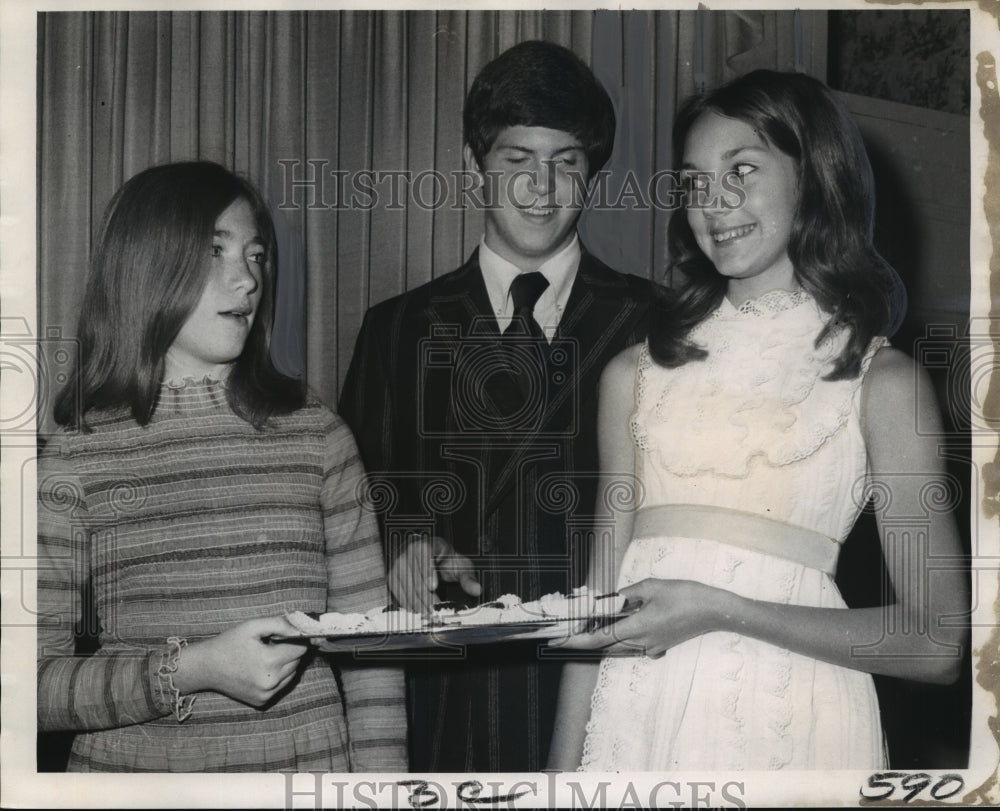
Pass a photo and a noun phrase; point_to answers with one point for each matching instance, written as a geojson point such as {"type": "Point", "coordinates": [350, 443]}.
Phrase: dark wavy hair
{"type": "Point", "coordinates": [147, 273]}
{"type": "Point", "coordinates": [540, 84]}
{"type": "Point", "coordinates": [830, 246]}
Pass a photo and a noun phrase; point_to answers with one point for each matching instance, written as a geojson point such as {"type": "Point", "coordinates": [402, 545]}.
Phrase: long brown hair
{"type": "Point", "coordinates": [830, 246]}
{"type": "Point", "coordinates": [147, 274]}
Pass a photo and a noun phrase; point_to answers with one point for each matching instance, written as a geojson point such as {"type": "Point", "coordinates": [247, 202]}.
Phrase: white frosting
{"type": "Point", "coordinates": [507, 609]}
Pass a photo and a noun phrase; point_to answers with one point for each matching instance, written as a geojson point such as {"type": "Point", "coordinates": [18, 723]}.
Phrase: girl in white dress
{"type": "Point", "coordinates": [750, 429]}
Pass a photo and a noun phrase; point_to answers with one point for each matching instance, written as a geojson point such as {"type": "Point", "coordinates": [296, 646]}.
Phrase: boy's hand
{"type": "Point", "coordinates": [414, 575]}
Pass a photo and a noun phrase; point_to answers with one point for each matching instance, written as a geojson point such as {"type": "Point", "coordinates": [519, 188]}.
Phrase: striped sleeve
{"type": "Point", "coordinates": [373, 695]}
{"type": "Point", "coordinates": [79, 692]}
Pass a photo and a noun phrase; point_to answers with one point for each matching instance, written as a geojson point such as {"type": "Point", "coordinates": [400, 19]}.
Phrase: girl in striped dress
{"type": "Point", "coordinates": [201, 495]}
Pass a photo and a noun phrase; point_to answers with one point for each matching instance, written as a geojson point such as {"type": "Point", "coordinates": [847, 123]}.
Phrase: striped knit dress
{"type": "Point", "coordinates": [185, 528]}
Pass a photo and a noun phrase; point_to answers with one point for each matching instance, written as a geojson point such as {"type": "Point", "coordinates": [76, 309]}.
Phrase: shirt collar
{"type": "Point", "coordinates": [559, 269]}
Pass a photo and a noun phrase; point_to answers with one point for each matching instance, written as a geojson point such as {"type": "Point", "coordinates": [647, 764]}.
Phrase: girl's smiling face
{"type": "Point", "coordinates": [747, 244]}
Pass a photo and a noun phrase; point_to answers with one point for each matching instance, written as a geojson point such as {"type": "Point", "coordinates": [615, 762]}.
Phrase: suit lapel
{"type": "Point", "coordinates": [463, 301]}
{"type": "Point", "coordinates": [464, 326]}
{"type": "Point", "coordinates": [597, 314]}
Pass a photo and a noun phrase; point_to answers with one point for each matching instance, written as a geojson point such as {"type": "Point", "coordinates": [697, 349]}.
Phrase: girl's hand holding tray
{"type": "Point", "coordinates": [656, 615]}
{"type": "Point", "coordinates": [550, 617]}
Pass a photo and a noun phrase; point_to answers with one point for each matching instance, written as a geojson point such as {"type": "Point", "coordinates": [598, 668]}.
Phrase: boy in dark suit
{"type": "Point", "coordinates": [473, 399]}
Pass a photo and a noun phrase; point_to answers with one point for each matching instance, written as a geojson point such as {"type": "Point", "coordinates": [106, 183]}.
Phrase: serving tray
{"type": "Point", "coordinates": [445, 635]}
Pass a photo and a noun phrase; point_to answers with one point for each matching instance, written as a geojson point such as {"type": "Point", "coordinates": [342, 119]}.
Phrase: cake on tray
{"type": "Point", "coordinates": [507, 610]}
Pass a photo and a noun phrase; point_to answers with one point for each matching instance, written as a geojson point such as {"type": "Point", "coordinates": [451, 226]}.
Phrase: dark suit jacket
{"type": "Point", "coordinates": [510, 484]}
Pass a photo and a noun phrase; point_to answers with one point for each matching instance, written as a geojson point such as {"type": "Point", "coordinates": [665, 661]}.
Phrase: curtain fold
{"type": "Point", "coordinates": [351, 124]}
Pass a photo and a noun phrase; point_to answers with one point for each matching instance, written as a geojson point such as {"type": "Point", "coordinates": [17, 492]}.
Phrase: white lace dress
{"type": "Point", "coordinates": [752, 428]}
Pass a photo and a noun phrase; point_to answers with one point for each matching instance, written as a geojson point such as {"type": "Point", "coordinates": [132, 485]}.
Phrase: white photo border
{"type": "Point", "coordinates": [22, 786]}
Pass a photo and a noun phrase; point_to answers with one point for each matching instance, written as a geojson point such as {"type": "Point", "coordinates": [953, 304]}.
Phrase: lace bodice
{"type": "Point", "coordinates": [721, 430]}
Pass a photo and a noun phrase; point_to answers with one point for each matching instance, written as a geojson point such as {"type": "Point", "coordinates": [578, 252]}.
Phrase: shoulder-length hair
{"type": "Point", "coordinates": [830, 246]}
{"type": "Point", "coordinates": [147, 273]}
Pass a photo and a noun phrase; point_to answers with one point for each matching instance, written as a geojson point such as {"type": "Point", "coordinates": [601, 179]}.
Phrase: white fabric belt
{"type": "Point", "coordinates": [746, 530]}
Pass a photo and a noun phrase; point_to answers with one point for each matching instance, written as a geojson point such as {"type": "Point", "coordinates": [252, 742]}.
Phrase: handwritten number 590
{"type": "Point", "coordinates": [883, 785]}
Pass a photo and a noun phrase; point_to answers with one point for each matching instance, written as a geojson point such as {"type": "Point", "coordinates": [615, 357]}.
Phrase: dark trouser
{"type": "Point", "coordinates": [492, 710]}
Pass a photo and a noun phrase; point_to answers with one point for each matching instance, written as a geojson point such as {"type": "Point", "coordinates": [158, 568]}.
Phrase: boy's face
{"type": "Point", "coordinates": [535, 186]}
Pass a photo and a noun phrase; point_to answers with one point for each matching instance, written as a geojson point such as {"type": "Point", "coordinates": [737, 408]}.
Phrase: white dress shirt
{"type": "Point", "coordinates": [560, 270]}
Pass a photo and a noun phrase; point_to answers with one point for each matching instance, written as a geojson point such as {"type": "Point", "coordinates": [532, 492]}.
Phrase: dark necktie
{"type": "Point", "coordinates": [525, 291]}
{"type": "Point", "coordinates": [523, 357]}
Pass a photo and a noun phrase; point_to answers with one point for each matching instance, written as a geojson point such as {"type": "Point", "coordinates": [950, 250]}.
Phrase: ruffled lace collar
{"type": "Point", "coordinates": [191, 381]}
{"type": "Point", "coordinates": [189, 395]}
{"type": "Point", "coordinates": [758, 396]}
{"type": "Point", "coordinates": [770, 303]}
